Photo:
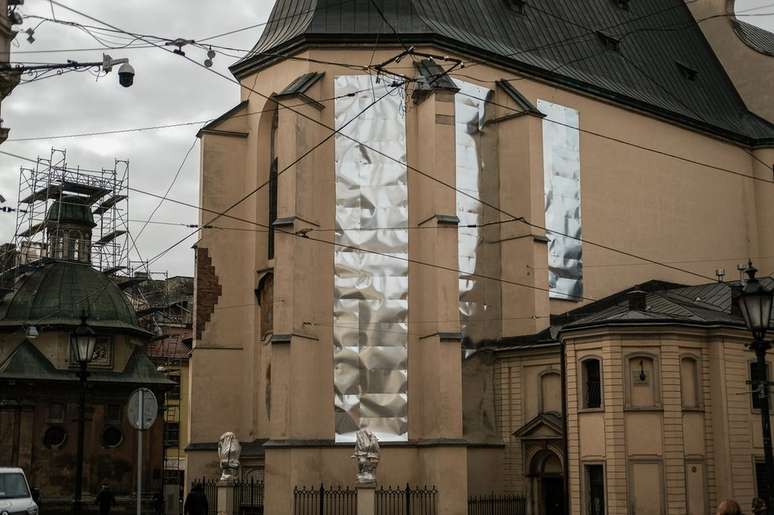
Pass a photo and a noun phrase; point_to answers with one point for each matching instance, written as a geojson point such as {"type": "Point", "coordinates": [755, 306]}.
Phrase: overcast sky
{"type": "Point", "coordinates": [167, 89]}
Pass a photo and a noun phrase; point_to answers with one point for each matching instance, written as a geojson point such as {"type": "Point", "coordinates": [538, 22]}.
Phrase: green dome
{"type": "Point", "coordinates": [58, 292]}
{"type": "Point", "coordinates": [71, 210]}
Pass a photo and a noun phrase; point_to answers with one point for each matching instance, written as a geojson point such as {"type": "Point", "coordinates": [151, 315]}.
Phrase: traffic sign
{"type": "Point", "coordinates": [142, 402]}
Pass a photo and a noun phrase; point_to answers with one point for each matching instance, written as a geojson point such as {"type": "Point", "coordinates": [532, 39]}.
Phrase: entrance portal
{"type": "Point", "coordinates": [547, 484]}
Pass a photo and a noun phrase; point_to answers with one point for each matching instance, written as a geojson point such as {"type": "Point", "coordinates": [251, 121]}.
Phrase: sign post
{"type": "Point", "coordinates": [142, 410]}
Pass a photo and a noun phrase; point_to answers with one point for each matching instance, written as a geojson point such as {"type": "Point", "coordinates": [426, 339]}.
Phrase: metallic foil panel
{"type": "Point", "coordinates": [477, 175]}
{"type": "Point", "coordinates": [370, 305]}
{"type": "Point", "coordinates": [561, 167]}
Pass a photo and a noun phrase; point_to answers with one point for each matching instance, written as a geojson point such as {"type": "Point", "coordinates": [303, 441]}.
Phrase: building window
{"type": "Point", "coordinates": [273, 183]}
{"type": "Point", "coordinates": [689, 383]}
{"type": "Point", "coordinates": [112, 437]}
{"type": "Point", "coordinates": [56, 412]}
{"type": "Point", "coordinates": [172, 434]}
{"type": "Point", "coordinates": [756, 376]}
{"type": "Point", "coordinates": [113, 413]}
{"type": "Point", "coordinates": [595, 489]}
{"type": "Point", "coordinates": [592, 383]}
{"type": "Point", "coordinates": [54, 437]}
{"type": "Point", "coordinates": [550, 392]}
{"type": "Point", "coordinates": [174, 392]}
{"type": "Point", "coordinates": [643, 385]}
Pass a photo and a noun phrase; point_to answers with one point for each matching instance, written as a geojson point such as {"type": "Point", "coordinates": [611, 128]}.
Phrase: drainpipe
{"type": "Point", "coordinates": [566, 475]}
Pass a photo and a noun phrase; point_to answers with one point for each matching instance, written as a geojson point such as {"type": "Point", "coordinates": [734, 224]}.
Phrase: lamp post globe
{"type": "Point", "coordinates": [755, 303]}
{"type": "Point", "coordinates": [83, 341]}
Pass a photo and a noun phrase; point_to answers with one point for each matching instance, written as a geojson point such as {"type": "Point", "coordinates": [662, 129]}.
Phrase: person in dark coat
{"type": "Point", "coordinates": [105, 500]}
{"type": "Point", "coordinates": [196, 502]}
{"type": "Point", "coordinates": [158, 504]}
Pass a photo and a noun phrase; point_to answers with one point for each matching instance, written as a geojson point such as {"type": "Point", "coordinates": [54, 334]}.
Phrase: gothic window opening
{"type": "Point", "coordinates": [273, 183]}
{"type": "Point", "coordinates": [592, 383]}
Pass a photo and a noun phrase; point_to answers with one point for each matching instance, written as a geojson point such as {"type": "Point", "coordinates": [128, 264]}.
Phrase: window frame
{"type": "Point", "coordinates": [583, 386]}
{"type": "Point", "coordinates": [699, 392]}
{"type": "Point", "coordinates": [586, 496]}
{"type": "Point", "coordinates": [655, 383]}
{"type": "Point", "coordinates": [541, 400]}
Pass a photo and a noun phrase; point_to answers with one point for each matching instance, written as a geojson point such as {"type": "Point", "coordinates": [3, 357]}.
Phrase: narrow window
{"type": "Point", "coordinates": [592, 384]}
{"type": "Point", "coordinates": [756, 377]}
{"type": "Point", "coordinates": [595, 490]}
{"type": "Point", "coordinates": [550, 393]}
{"type": "Point", "coordinates": [273, 177]}
{"type": "Point", "coordinates": [172, 434]}
{"type": "Point", "coordinates": [689, 382]}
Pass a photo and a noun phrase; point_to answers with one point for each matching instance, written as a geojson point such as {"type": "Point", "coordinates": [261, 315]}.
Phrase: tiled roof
{"type": "Point", "coordinates": [651, 55]}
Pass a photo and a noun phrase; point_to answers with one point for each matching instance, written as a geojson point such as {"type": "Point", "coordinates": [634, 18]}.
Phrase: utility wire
{"type": "Point", "coordinates": [389, 157]}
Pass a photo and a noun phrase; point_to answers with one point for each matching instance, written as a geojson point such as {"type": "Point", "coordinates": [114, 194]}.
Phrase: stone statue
{"type": "Point", "coordinates": [228, 452]}
{"type": "Point", "coordinates": [366, 456]}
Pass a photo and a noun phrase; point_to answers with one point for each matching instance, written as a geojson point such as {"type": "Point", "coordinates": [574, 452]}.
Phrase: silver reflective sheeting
{"type": "Point", "coordinates": [477, 175]}
{"type": "Point", "coordinates": [561, 168]}
{"type": "Point", "coordinates": [370, 305]}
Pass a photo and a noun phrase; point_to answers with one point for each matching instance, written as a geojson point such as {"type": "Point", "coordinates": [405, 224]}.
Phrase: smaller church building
{"type": "Point", "coordinates": [39, 385]}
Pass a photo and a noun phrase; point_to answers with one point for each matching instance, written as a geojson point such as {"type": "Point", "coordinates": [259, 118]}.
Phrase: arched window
{"type": "Point", "coordinates": [273, 181]}
{"type": "Point", "coordinates": [689, 383]}
{"type": "Point", "coordinates": [643, 383]}
{"type": "Point", "coordinates": [550, 392]}
{"type": "Point", "coordinates": [591, 375]}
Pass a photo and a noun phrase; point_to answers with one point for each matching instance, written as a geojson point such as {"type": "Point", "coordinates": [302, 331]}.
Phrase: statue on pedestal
{"type": "Point", "coordinates": [228, 452]}
{"type": "Point", "coordinates": [366, 456]}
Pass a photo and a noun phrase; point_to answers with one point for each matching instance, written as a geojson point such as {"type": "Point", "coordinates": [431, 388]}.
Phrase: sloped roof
{"type": "Point", "coordinates": [26, 362]}
{"type": "Point", "coordinates": [707, 304]}
{"type": "Point", "coordinates": [569, 43]}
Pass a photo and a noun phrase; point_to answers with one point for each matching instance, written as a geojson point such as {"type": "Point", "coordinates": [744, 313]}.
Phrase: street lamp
{"type": "Point", "coordinates": [82, 343]}
{"type": "Point", "coordinates": [755, 303]}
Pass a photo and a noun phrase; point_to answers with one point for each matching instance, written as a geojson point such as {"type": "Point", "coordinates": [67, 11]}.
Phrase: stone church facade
{"type": "Point", "coordinates": [450, 221]}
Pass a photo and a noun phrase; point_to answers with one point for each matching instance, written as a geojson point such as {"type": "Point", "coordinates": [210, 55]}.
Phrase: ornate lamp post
{"type": "Point", "coordinates": [82, 343]}
{"type": "Point", "coordinates": [755, 303]}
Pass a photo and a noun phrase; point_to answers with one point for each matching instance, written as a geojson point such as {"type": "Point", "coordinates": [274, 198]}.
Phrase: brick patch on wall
{"type": "Point", "coordinates": [208, 290]}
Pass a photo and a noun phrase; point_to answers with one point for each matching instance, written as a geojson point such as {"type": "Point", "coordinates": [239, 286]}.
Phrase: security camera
{"type": "Point", "coordinates": [126, 75]}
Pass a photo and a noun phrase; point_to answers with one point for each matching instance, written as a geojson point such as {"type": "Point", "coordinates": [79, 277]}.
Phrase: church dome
{"type": "Point", "coordinates": [57, 293]}
{"type": "Point", "coordinates": [71, 210]}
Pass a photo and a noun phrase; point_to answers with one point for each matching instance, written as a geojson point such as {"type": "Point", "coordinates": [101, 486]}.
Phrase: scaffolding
{"type": "Point", "coordinates": [105, 192]}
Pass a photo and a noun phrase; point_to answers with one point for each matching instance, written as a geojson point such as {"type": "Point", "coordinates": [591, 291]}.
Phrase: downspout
{"type": "Point", "coordinates": [566, 475]}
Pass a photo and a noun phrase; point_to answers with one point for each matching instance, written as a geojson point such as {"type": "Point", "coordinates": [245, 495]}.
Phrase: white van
{"type": "Point", "coordinates": [15, 493]}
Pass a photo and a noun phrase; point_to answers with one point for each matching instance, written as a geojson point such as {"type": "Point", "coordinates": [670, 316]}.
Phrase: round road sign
{"type": "Point", "coordinates": [142, 409]}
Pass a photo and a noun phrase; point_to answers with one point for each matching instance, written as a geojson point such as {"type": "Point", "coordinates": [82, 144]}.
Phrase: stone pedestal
{"type": "Point", "coordinates": [226, 489]}
{"type": "Point", "coordinates": [366, 499]}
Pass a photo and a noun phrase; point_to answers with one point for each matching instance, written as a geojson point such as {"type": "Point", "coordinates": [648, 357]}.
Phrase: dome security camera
{"type": "Point", "coordinates": [126, 75]}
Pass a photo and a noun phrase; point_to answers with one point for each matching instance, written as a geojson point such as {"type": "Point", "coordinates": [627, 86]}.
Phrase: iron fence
{"type": "Point", "coordinates": [407, 501]}
{"type": "Point", "coordinates": [248, 497]}
{"type": "Point", "coordinates": [324, 501]}
{"type": "Point", "coordinates": [497, 505]}
{"type": "Point", "coordinates": [210, 487]}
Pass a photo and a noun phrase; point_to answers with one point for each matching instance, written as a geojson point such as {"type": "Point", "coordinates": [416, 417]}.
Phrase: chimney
{"type": "Point", "coordinates": [637, 300]}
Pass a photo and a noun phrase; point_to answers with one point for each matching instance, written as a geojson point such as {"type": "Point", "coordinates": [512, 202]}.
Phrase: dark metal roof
{"type": "Point", "coordinates": [554, 40]}
{"type": "Point", "coordinates": [702, 305]}
{"type": "Point", "coordinates": [755, 37]}
{"type": "Point", "coordinates": [56, 293]}
{"type": "Point", "coordinates": [71, 209]}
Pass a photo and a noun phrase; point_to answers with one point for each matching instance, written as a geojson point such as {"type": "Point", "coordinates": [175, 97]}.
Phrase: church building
{"type": "Point", "coordinates": [502, 236]}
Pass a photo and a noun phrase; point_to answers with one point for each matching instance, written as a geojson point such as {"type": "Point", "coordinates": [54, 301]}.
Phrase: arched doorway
{"type": "Point", "coordinates": [547, 483]}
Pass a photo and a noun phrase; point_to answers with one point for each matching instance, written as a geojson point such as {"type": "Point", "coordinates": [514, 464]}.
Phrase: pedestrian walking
{"type": "Point", "coordinates": [105, 500]}
{"type": "Point", "coordinates": [196, 502]}
{"type": "Point", "coordinates": [729, 507]}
